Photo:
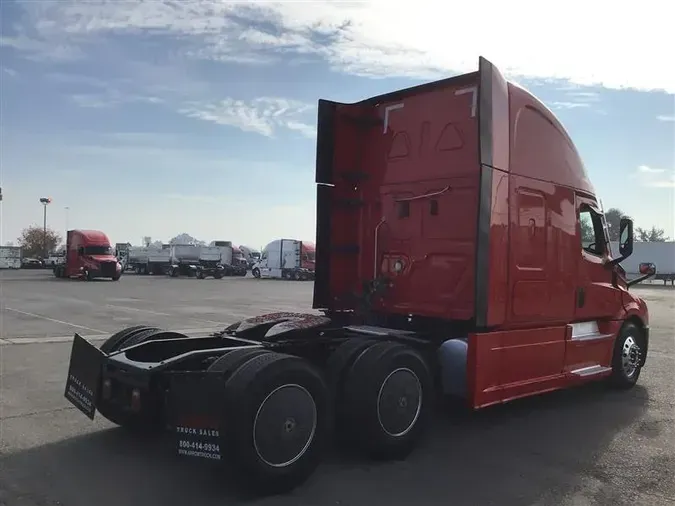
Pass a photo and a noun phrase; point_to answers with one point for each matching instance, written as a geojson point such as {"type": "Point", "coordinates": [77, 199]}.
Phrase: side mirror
{"type": "Point", "coordinates": [647, 268]}
{"type": "Point", "coordinates": [626, 237]}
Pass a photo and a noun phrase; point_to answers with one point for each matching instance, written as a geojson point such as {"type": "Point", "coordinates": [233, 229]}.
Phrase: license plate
{"type": "Point", "coordinates": [84, 374]}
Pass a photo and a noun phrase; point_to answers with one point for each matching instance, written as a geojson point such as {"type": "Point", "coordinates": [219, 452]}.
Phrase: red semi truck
{"type": "Point", "coordinates": [460, 251]}
{"type": "Point", "coordinates": [89, 255]}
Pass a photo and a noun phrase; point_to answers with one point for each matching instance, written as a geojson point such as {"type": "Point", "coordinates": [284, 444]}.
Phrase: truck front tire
{"type": "Point", "coordinates": [627, 357]}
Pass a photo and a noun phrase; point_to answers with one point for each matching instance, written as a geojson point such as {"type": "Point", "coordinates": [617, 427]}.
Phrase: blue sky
{"type": "Point", "coordinates": [156, 118]}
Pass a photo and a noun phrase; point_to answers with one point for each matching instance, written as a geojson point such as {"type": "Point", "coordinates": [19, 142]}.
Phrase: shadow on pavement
{"type": "Point", "coordinates": [533, 451]}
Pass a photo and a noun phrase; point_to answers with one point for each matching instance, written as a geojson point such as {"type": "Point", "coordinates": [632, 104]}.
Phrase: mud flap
{"type": "Point", "coordinates": [194, 406]}
{"type": "Point", "coordinates": [84, 375]}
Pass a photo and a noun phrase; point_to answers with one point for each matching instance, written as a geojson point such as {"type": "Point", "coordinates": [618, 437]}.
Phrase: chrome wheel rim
{"type": "Point", "coordinates": [285, 425]}
{"type": "Point", "coordinates": [399, 402]}
{"type": "Point", "coordinates": [630, 357]}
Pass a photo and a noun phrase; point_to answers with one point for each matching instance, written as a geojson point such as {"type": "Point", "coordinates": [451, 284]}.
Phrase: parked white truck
{"type": "Point", "coordinates": [231, 258]}
{"type": "Point", "coordinates": [662, 254]}
{"type": "Point", "coordinates": [286, 259]}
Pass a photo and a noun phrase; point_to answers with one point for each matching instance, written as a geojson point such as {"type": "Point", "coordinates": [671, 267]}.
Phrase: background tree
{"type": "Point", "coordinates": [587, 233]}
{"type": "Point", "coordinates": [652, 235]}
{"type": "Point", "coordinates": [32, 241]}
{"type": "Point", "coordinates": [186, 239]}
{"type": "Point", "coordinates": [613, 217]}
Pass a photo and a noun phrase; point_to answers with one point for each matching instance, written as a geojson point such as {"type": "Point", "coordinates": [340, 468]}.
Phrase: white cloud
{"type": "Point", "coordinates": [190, 198]}
{"type": "Point", "coordinates": [652, 177]}
{"type": "Point", "coordinates": [109, 98]}
{"type": "Point", "coordinates": [568, 105]}
{"type": "Point", "coordinates": [42, 50]}
{"type": "Point", "coordinates": [611, 47]}
{"type": "Point", "coordinates": [264, 115]}
{"type": "Point", "coordinates": [9, 72]}
{"type": "Point", "coordinates": [665, 118]}
{"type": "Point", "coordinates": [645, 169]}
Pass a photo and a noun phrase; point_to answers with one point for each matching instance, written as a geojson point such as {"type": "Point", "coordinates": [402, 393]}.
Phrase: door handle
{"type": "Point", "coordinates": [581, 297]}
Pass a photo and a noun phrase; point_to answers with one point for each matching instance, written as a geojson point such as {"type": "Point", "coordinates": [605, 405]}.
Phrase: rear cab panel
{"type": "Point", "coordinates": [404, 175]}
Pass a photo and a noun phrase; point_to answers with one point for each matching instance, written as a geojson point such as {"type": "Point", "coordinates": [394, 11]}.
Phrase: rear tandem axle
{"type": "Point", "coordinates": [265, 394]}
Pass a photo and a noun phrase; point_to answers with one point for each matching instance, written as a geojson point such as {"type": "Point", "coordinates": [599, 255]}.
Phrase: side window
{"type": "Point", "coordinates": [592, 232]}
{"type": "Point", "coordinates": [264, 256]}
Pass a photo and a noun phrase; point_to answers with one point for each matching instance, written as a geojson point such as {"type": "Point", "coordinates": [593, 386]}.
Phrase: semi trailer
{"type": "Point", "coordinates": [660, 253]}
{"type": "Point", "coordinates": [184, 259]}
{"type": "Point", "coordinates": [10, 257]}
{"type": "Point", "coordinates": [209, 263]}
{"type": "Point", "coordinates": [450, 261]}
{"type": "Point", "coordinates": [89, 255]}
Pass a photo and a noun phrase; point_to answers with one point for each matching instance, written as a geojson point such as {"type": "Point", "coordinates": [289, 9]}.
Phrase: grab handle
{"type": "Point", "coordinates": [377, 232]}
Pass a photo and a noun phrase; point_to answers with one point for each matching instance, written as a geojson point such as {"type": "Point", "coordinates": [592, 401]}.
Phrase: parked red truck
{"type": "Point", "coordinates": [89, 255]}
{"type": "Point", "coordinates": [460, 251]}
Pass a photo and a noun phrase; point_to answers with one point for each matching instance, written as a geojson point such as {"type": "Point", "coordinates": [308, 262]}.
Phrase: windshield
{"type": "Point", "coordinates": [310, 256]}
{"type": "Point", "coordinates": [98, 250]}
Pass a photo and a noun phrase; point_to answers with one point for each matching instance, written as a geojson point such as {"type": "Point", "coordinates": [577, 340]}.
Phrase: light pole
{"type": "Point", "coordinates": [67, 209]}
{"type": "Point", "coordinates": [45, 201]}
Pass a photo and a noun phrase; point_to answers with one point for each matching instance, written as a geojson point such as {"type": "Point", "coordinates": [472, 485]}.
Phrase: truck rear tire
{"type": "Point", "coordinates": [627, 357]}
{"type": "Point", "coordinates": [232, 360]}
{"type": "Point", "coordinates": [117, 340]}
{"type": "Point", "coordinates": [337, 367]}
{"type": "Point", "coordinates": [278, 417]}
{"type": "Point", "coordinates": [387, 400]}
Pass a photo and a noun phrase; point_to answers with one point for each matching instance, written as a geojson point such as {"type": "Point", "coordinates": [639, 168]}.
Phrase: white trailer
{"type": "Point", "coordinates": [55, 258]}
{"type": "Point", "coordinates": [662, 254]}
{"type": "Point", "coordinates": [184, 259]}
{"type": "Point", "coordinates": [286, 259]}
{"type": "Point", "coordinates": [159, 259]}
{"type": "Point", "coordinates": [210, 263]}
{"type": "Point", "coordinates": [10, 257]}
{"type": "Point", "coordinates": [138, 259]}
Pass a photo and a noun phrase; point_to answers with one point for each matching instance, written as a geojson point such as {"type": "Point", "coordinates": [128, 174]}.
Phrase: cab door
{"type": "Point", "coordinates": [263, 266]}
{"type": "Point", "coordinates": [596, 300]}
{"type": "Point", "coordinates": [594, 297]}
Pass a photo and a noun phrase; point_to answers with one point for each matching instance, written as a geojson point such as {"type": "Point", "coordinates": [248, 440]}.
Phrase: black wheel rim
{"type": "Point", "coordinates": [285, 425]}
{"type": "Point", "coordinates": [399, 402]}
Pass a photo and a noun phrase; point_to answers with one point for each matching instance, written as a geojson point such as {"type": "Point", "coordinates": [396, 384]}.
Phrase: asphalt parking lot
{"type": "Point", "coordinates": [588, 446]}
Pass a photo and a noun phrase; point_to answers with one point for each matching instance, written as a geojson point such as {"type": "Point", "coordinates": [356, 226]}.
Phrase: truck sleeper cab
{"type": "Point", "coordinates": [460, 251]}
{"type": "Point", "coordinates": [286, 259]}
{"type": "Point", "coordinates": [231, 258]}
{"type": "Point", "coordinates": [89, 255]}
